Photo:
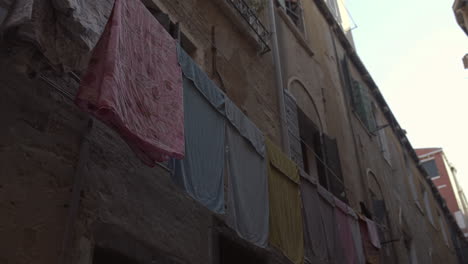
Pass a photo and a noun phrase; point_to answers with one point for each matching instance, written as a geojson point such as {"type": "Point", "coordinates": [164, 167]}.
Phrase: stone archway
{"type": "Point", "coordinates": [305, 101]}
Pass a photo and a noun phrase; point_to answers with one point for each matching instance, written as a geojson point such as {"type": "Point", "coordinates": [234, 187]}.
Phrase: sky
{"type": "Point", "coordinates": [413, 50]}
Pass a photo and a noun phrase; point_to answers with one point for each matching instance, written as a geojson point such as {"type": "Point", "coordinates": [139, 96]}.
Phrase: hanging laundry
{"type": "Point", "coordinates": [202, 82]}
{"type": "Point", "coordinates": [356, 233]}
{"type": "Point", "coordinates": [286, 229]}
{"type": "Point", "coordinates": [245, 127]}
{"type": "Point", "coordinates": [134, 84]}
{"type": "Point", "coordinates": [314, 232]}
{"type": "Point", "coordinates": [201, 172]}
{"type": "Point", "coordinates": [373, 233]}
{"type": "Point", "coordinates": [345, 235]}
{"type": "Point", "coordinates": [326, 200]}
{"type": "Point", "coordinates": [248, 209]}
{"type": "Point", "coordinates": [371, 252]}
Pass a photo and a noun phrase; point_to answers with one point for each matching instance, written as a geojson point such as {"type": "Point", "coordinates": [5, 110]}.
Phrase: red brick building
{"type": "Point", "coordinates": [443, 174]}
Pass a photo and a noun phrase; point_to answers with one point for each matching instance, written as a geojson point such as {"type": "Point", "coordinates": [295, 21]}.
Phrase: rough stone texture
{"type": "Point", "coordinates": [121, 191]}
{"type": "Point", "coordinates": [39, 142]}
{"type": "Point", "coordinates": [44, 134]}
{"type": "Point", "coordinates": [137, 210]}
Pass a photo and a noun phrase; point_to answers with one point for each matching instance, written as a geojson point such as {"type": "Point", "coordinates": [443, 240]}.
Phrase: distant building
{"type": "Point", "coordinates": [443, 174]}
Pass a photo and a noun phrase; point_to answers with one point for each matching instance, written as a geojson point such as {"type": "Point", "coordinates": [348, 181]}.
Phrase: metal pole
{"type": "Point", "coordinates": [279, 78]}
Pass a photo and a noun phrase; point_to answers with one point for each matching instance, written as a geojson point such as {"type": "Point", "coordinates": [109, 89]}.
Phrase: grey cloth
{"type": "Point", "coordinates": [203, 83]}
{"type": "Point", "coordinates": [200, 173]}
{"type": "Point", "coordinates": [356, 232]}
{"type": "Point", "coordinates": [221, 102]}
{"type": "Point", "coordinates": [245, 127]}
{"type": "Point", "coordinates": [314, 233]}
{"type": "Point", "coordinates": [248, 204]}
{"type": "Point", "coordinates": [65, 31]}
{"type": "Point", "coordinates": [329, 224]}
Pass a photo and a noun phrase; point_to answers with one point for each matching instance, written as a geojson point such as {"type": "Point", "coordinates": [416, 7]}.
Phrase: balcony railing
{"type": "Point", "coordinates": [250, 16]}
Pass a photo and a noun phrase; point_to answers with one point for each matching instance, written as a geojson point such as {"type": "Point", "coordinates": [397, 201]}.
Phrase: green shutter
{"type": "Point", "coordinates": [362, 105]}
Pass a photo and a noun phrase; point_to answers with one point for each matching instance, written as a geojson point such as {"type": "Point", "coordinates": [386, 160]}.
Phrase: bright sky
{"type": "Point", "coordinates": [413, 50]}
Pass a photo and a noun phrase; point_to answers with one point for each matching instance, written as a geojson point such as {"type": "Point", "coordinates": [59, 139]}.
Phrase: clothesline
{"type": "Point", "coordinates": [218, 51]}
{"type": "Point", "coordinates": [318, 158]}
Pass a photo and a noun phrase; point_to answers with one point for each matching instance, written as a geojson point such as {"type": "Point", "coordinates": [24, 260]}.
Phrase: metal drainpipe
{"type": "Point", "coordinates": [279, 78]}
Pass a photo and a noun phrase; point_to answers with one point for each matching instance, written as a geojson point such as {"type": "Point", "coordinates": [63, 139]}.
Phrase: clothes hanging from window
{"type": "Point", "coordinates": [356, 233]}
{"type": "Point", "coordinates": [328, 215]}
{"type": "Point", "coordinates": [371, 252]}
{"type": "Point", "coordinates": [286, 229]}
{"type": "Point", "coordinates": [314, 232]}
{"type": "Point", "coordinates": [134, 84]}
{"type": "Point", "coordinates": [201, 172]}
{"type": "Point", "coordinates": [202, 82]}
{"type": "Point", "coordinates": [373, 233]}
{"type": "Point", "coordinates": [345, 235]}
{"type": "Point", "coordinates": [248, 208]}
{"type": "Point", "coordinates": [245, 127]}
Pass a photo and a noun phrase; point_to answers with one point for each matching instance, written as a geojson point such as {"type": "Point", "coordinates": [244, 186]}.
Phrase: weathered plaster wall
{"type": "Point", "coordinates": [122, 199]}
{"type": "Point", "coordinates": [359, 149]}
{"type": "Point", "coordinates": [247, 77]}
{"type": "Point", "coordinates": [43, 136]}
{"type": "Point", "coordinates": [39, 146]}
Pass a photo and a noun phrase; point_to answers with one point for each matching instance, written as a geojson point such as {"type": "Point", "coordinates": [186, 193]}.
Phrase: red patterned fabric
{"type": "Point", "coordinates": [134, 84]}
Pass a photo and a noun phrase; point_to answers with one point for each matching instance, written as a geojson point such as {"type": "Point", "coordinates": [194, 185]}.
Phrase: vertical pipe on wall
{"type": "Point", "coordinates": [279, 77]}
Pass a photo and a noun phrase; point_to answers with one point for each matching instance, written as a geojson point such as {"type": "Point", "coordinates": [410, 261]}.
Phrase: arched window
{"type": "Point", "coordinates": [310, 132]}
{"type": "Point", "coordinates": [319, 153]}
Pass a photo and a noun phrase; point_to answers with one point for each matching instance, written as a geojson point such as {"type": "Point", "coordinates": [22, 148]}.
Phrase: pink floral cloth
{"type": "Point", "coordinates": [134, 84]}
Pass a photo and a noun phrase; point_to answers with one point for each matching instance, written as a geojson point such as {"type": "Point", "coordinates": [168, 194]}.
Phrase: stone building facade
{"type": "Point", "coordinates": [72, 191]}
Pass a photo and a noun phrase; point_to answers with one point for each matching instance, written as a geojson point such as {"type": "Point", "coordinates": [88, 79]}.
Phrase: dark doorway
{"type": "Point", "coordinates": [109, 256]}
{"type": "Point", "coordinates": [231, 252]}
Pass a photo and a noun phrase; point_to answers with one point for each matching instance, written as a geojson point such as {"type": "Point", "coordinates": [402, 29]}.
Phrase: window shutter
{"type": "Point", "coordinates": [334, 164]}
{"type": "Point", "coordinates": [379, 211]}
{"type": "Point", "coordinates": [362, 104]}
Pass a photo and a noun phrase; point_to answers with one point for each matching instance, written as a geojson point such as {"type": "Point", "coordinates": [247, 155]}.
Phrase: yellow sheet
{"type": "Point", "coordinates": [286, 230]}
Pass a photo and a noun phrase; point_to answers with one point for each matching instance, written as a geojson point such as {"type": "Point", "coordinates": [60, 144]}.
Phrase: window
{"type": "Point", "coordinates": [362, 105]}
{"type": "Point", "coordinates": [320, 156]}
{"type": "Point", "coordinates": [359, 97]}
{"type": "Point", "coordinates": [431, 168]}
{"type": "Point", "coordinates": [335, 175]}
{"type": "Point", "coordinates": [443, 228]}
{"type": "Point", "coordinates": [174, 30]}
{"type": "Point", "coordinates": [427, 205]}
{"type": "Point", "coordinates": [411, 180]}
{"type": "Point", "coordinates": [105, 256]}
{"type": "Point", "coordinates": [312, 149]}
{"type": "Point", "coordinates": [294, 11]}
